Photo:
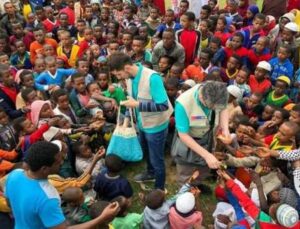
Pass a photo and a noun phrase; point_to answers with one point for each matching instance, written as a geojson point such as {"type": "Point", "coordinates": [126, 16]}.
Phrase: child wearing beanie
{"type": "Point", "coordinates": [184, 214]}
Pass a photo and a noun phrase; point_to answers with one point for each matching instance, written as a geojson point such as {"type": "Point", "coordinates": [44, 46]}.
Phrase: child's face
{"type": "Point", "coordinates": [60, 63]}
{"type": "Point", "coordinates": [98, 32]}
{"type": "Point", "coordinates": [285, 134]}
{"type": "Point", "coordinates": [46, 111]}
{"type": "Point", "coordinates": [88, 13]}
{"type": "Point", "coordinates": [28, 127]}
{"type": "Point", "coordinates": [95, 50]}
{"type": "Point", "coordinates": [232, 64]}
{"type": "Point", "coordinates": [249, 14]}
{"type": "Point", "coordinates": [49, 13]}
{"type": "Point", "coordinates": [39, 36]}
{"type": "Point", "coordinates": [20, 47]}
{"type": "Point", "coordinates": [203, 27]}
{"type": "Point", "coordinates": [287, 35]}
{"type": "Point", "coordinates": [259, 73]}
{"type": "Point", "coordinates": [236, 42]}
{"type": "Point", "coordinates": [49, 50]}
{"type": "Point", "coordinates": [274, 195]}
{"type": "Point", "coordinates": [137, 46]}
{"type": "Point", "coordinates": [51, 67]}
{"type": "Point", "coordinates": [277, 118]}
{"type": "Point", "coordinates": [86, 151]}
{"type": "Point", "coordinates": [282, 54]}
{"type": "Point", "coordinates": [154, 14]}
{"type": "Point", "coordinates": [103, 80]}
{"type": "Point", "coordinates": [258, 24]}
{"type": "Point", "coordinates": [80, 27]}
{"type": "Point", "coordinates": [203, 14]}
{"type": "Point", "coordinates": [7, 79]}
{"type": "Point", "coordinates": [232, 8]}
{"type": "Point", "coordinates": [154, 41]}
{"type": "Point", "coordinates": [28, 80]}
{"type": "Point", "coordinates": [204, 59]}
{"type": "Point", "coordinates": [143, 31]}
{"type": "Point", "coordinates": [83, 67]}
{"type": "Point", "coordinates": [241, 130]}
{"type": "Point", "coordinates": [163, 64]}
{"type": "Point", "coordinates": [253, 101]}
{"type": "Point", "coordinates": [213, 47]}
{"type": "Point", "coordinates": [118, 5]}
{"type": "Point", "coordinates": [175, 72]}
{"type": "Point", "coordinates": [40, 15]}
{"type": "Point", "coordinates": [260, 45]}
{"type": "Point", "coordinates": [282, 22]}
{"type": "Point", "coordinates": [65, 39]}
{"type": "Point", "coordinates": [79, 84]}
{"type": "Point", "coordinates": [63, 102]}
{"type": "Point", "coordinates": [127, 40]}
{"type": "Point", "coordinates": [18, 30]}
{"type": "Point", "coordinates": [39, 66]}
{"type": "Point", "coordinates": [4, 119]}
{"type": "Point", "coordinates": [267, 113]}
{"type": "Point", "coordinates": [31, 97]}
{"type": "Point", "coordinates": [169, 17]}
{"type": "Point", "coordinates": [3, 45]}
{"type": "Point", "coordinates": [211, 4]}
{"type": "Point", "coordinates": [171, 91]}
{"type": "Point", "coordinates": [113, 48]}
{"type": "Point", "coordinates": [184, 21]}
{"type": "Point", "coordinates": [220, 25]}
{"type": "Point", "coordinates": [112, 28]}
{"type": "Point", "coordinates": [295, 117]}
{"type": "Point", "coordinates": [94, 89]}
{"type": "Point", "coordinates": [88, 34]}
{"type": "Point", "coordinates": [183, 7]}
{"type": "Point", "coordinates": [104, 15]}
{"type": "Point", "coordinates": [280, 87]}
{"type": "Point", "coordinates": [241, 77]}
{"type": "Point", "coordinates": [4, 59]}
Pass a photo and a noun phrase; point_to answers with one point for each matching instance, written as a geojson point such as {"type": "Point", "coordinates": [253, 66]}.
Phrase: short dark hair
{"type": "Point", "coordinates": [38, 8]}
{"type": "Point", "coordinates": [118, 60]}
{"type": "Point", "coordinates": [260, 16]}
{"type": "Point", "coordinates": [25, 73]}
{"type": "Point", "coordinates": [154, 199]}
{"type": "Point", "coordinates": [216, 40]}
{"type": "Point", "coordinates": [296, 108]}
{"type": "Point", "coordinates": [287, 47]}
{"type": "Point", "coordinates": [185, 1]}
{"type": "Point", "coordinates": [3, 68]}
{"type": "Point", "coordinates": [76, 75]}
{"type": "Point", "coordinates": [76, 147]}
{"type": "Point", "coordinates": [285, 114]}
{"type": "Point", "coordinates": [238, 58]}
{"type": "Point", "coordinates": [173, 82]}
{"type": "Point", "coordinates": [190, 15]}
{"type": "Point", "coordinates": [208, 52]}
{"type": "Point", "coordinates": [207, 8]}
{"type": "Point", "coordinates": [58, 93]}
{"type": "Point", "coordinates": [41, 154]}
{"type": "Point", "coordinates": [113, 163]}
{"type": "Point", "coordinates": [81, 59]}
{"type": "Point", "coordinates": [240, 35]}
{"type": "Point", "coordinates": [25, 92]}
{"type": "Point", "coordinates": [97, 208]}
{"type": "Point", "coordinates": [18, 124]}
{"type": "Point", "coordinates": [245, 69]}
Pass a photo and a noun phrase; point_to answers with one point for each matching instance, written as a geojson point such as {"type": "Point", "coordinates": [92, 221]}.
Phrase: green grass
{"type": "Point", "coordinates": [207, 202]}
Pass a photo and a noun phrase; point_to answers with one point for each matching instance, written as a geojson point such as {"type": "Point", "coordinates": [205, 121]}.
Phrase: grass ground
{"type": "Point", "coordinates": [207, 202]}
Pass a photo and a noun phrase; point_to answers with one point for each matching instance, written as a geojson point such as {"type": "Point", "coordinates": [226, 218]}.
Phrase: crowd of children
{"type": "Point", "coordinates": [55, 86]}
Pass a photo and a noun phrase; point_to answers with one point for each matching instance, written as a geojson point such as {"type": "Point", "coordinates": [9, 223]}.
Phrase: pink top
{"type": "Point", "coordinates": [179, 222]}
{"type": "Point", "coordinates": [84, 99]}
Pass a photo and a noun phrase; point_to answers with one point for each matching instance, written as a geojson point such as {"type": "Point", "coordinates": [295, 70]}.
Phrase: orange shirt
{"type": "Point", "coordinates": [37, 48]}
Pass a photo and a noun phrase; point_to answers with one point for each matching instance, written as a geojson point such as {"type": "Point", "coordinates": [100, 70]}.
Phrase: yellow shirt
{"type": "Point", "coordinates": [26, 10]}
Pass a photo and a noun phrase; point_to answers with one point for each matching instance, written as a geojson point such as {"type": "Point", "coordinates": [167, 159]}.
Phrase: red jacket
{"type": "Point", "coordinates": [254, 57]}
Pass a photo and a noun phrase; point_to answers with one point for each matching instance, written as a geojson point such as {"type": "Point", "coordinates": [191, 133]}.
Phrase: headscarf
{"type": "Point", "coordinates": [254, 10]}
{"type": "Point", "coordinates": [36, 107]}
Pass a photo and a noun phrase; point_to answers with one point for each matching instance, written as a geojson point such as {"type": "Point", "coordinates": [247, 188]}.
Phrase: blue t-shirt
{"type": "Point", "coordinates": [158, 93]}
{"type": "Point", "coordinates": [182, 120]}
{"type": "Point", "coordinates": [281, 69]}
{"type": "Point", "coordinates": [35, 203]}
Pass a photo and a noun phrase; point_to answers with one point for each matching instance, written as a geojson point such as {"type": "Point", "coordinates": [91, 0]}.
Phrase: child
{"type": "Point", "coordinates": [144, 10]}
{"type": "Point", "coordinates": [21, 59]}
{"type": "Point", "coordinates": [124, 219]}
{"type": "Point", "coordinates": [281, 65]}
{"type": "Point", "coordinates": [98, 35]}
{"type": "Point", "coordinates": [188, 37]}
{"type": "Point", "coordinates": [49, 50]}
{"type": "Point", "coordinates": [252, 33]}
{"type": "Point", "coordinates": [39, 67]}
{"type": "Point", "coordinates": [29, 133]}
{"type": "Point", "coordinates": [206, 34]}
{"type": "Point", "coordinates": [138, 47]}
{"type": "Point", "coordinates": [153, 21]}
{"type": "Point", "coordinates": [98, 208]}
{"type": "Point", "coordinates": [27, 81]}
{"type": "Point", "coordinates": [252, 106]}
{"type": "Point", "coordinates": [222, 31]}
{"type": "Point", "coordinates": [237, 20]}
{"type": "Point", "coordinates": [184, 214]}
{"type": "Point", "coordinates": [169, 22]}
{"type": "Point", "coordinates": [84, 157]}
{"type": "Point", "coordinates": [176, 71]}
{"type": "Point", "coordinates": [8, 93]}
{"type": "Point", "coordinates": [277, 97]}
{"type": "Point", "coordinates": [41, 112]}
{"type": "Point", "coordinates": [50, 22]}
{"type": "Point", "coordinates": [67, 48]}
{"type": "Point", "coordinates": [19, 34]}
{"type": "Point", "coordinates": [111, 184]}
{"type": "Point", "coordinates": [83, 67]}
{"type": "Point", "coordinates": [259, 82]}
{"type": "Point", "coordinates": [235, 47]}
{"type": "Point", "coordinates": [53, 77]}
{"type": "Point", "coordinates": [217, 50]}
{"type": "Point", "coordinates": [232, 68]}
{"type": "Point", "coordinates": [36, 47]}
{"type": "Point", "coordinates": [259, 52]}
{"type": "Point", "coordinates": [92, 89]}
{"type": "Point", "coordinates": [241, 80]}
{"type": "Point", "coordinates": [172, 87]}
{"type": "Point", "coordinates": [87, 42]}
{"type": "Point", "coordinates": [75, 209]}
{"type": "Point", "coordinates": [127, 43]}
{"type": "Point", "coordinates": [61, 98]}
{"type": "Point", "coordinates": [235, 95]}
{"type": "Point", "coordinates": [250, 14]}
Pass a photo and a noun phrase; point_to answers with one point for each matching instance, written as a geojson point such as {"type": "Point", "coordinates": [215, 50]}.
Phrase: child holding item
{"type": "Point", "coordinates": [21, 59]}
{"type": "Point", "coordinates": [259, 82]}
{"type": "Point", "coordinates": [241, 80]}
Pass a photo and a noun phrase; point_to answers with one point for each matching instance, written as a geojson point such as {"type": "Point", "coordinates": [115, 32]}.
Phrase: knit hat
{"type": "Point", "coordinates": [285, 79]}
{"type": "Point", "coordinates": [287, 216]}
{"type": "Point", "coordinates": [36, 107]}
{"type": "Point", "coordinates": [289, 16]}
{"type": "Point", "coordinates": [50, 133]}
{"type": "Point", "coordinates": [292, 26]}
{"type": "Point", "coordinates": [190, 83]}
{"type": "Point", "coordinates": [264, 65]}
{"type": "Point", "coordinates": [58, 143]}
{"type": "Point", "coordinates": [253, 9]}
{"type": "Point", "coordinates": [185, 203]}
{"type": "Point", "coordinates": [288, 196]}
{"type": "Point", "coordinates": [235, 91]}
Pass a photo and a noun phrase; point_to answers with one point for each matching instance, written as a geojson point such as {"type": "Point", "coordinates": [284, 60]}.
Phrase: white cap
{"type": "Point", "coordinates": [58, 143]}
{"type": "Point", "coordinates": [191, 83]}
{"type": "Point", "coordinates": [289, 16]}
{"type": "Point", "coordinates": [264, 65]}
{"type": "Point", "coordinates": [235, 91]}
{"type": "Point", "coordinates": [185, 203]}
{"type": "Point", "coordinates": [292, 26]}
